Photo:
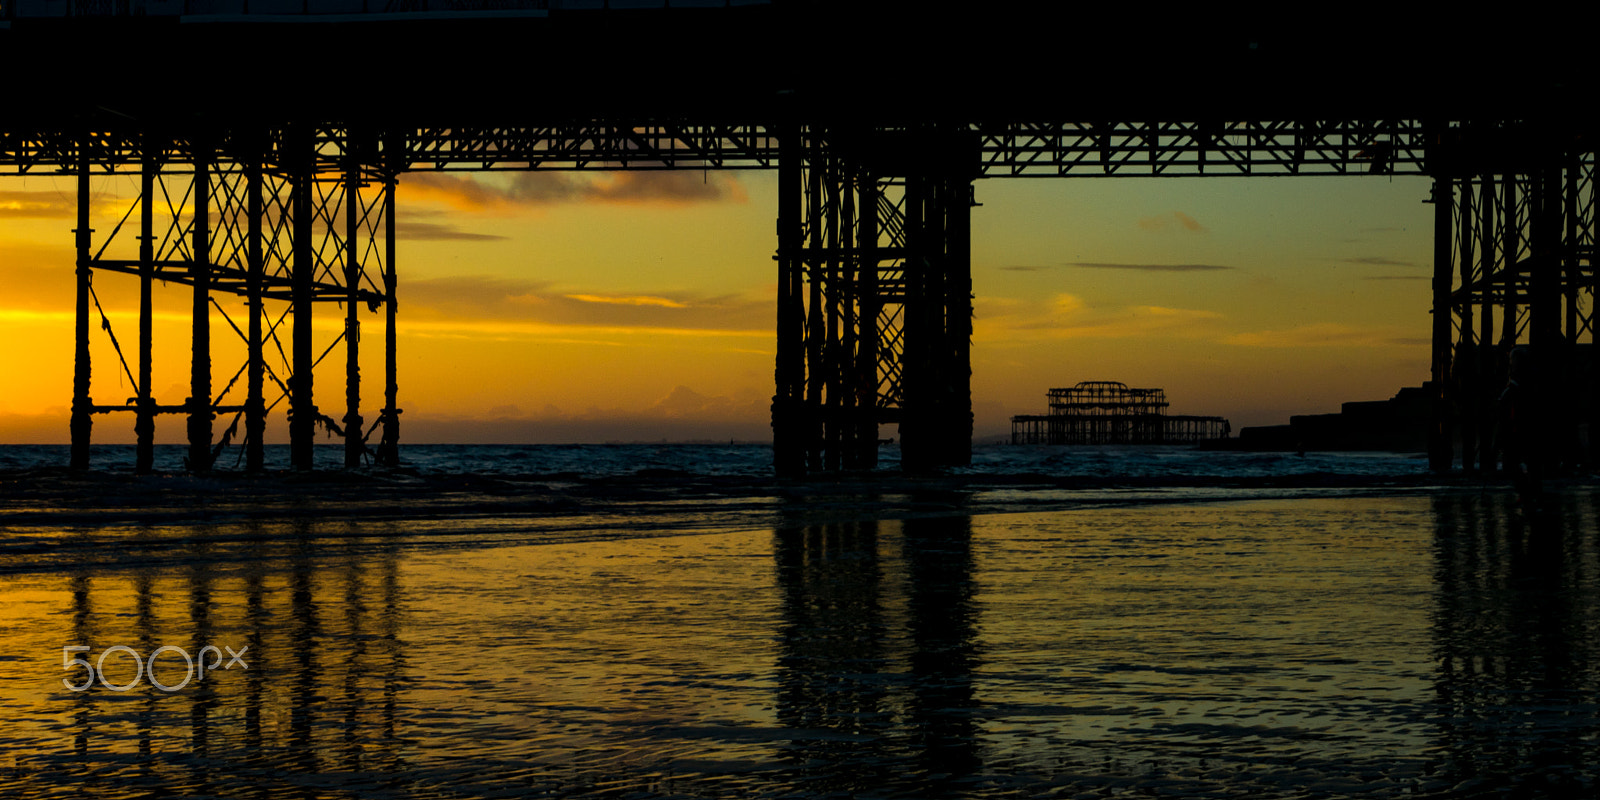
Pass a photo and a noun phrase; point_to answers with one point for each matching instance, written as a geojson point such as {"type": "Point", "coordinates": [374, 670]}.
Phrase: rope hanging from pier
{"type": "Point", "coordinates": [105, 325]}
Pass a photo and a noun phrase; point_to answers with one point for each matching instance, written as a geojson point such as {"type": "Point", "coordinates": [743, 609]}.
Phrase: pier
{"type": "Point", "coordinates": [277, 178]}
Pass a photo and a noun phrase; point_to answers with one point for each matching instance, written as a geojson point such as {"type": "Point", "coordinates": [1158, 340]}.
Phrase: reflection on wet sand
{"type": "Point", "coordinates": [1516, 631]}
{"type": "Point", "coordinates": [239, 732]}
{"type": "Point", "coordinates": [1369, 647]}
{"type": "Point", "coordinates": [878, 653]}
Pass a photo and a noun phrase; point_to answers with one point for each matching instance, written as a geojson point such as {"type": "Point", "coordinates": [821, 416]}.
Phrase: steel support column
{"type": "Point", "coordinates": [255, 413]}
{"type": "Point", "coordinates": [1551, 356]}
{"type": "Point", "coordinates": [814, 268]}
{"type": "Point", "coordinates": [200, 359]}
{"type": "Point", "coordinates": [1510, 256]}
{"type": "Point", "coordinates": [82, 406]}
{"type": "Point", "coordinates": [1544, 262]}
{"type": "Point", "coordinates": [144, 424]}
{"type": "Point", "coordinates": [354, 446]}
{"type": "Point", "coordinates": [848, 266]}
{"type": "Point", "coordinates": [389, 447]}
{"type": "Point", "coordinates": [302, 410]}
{"type": "Point", "coordinates": [788, 402]}
{"type": "Point", "coordinates": [1464, 363]}
{"type": "Point", "coordinates": [936, 429]}
{"type": "Point", "coordinates": [922, 317]}
{"type": "Point", "coordinates": [957, 406]}
{"type": "Point", "coordinates": [1487, 367]}
{"type": "Point", "coordinates": [1440, 447]}
{"type": "Point", "coordinates": [834, 345]}
{"type": "Point", "coordinates": [864, 383]}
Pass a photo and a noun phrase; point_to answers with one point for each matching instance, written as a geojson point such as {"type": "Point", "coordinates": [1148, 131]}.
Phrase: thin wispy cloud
{"type": "Point", "coordinates": [37, 204]}
{"type": "Point", "coordinates": [471, 300]}
{"type": "Point", "coordinates": [55, 204]}
{"type": "Point", "coordinates": [1151, 267]}
{"type": "Point", "coordinates": [1068, 316]}
{"type": "Point", "coordinates": [440, 232]}
{"type": "Point", "coordinates": [628, 300]}
{"type": "Point", "coordinates": [1176, 218]}
{"type": "Point", "coordinates": [539, 189]}
{"type": "Point", "coordinates": [1377, 261]}
{"type": "Point", "coordinates": [1323, 334]}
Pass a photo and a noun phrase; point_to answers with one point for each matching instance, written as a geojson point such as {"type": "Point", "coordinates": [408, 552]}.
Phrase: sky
{"type": "Point", "coordinates": [592, 307]}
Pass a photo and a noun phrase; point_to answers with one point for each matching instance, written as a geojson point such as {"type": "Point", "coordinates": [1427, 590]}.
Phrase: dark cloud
{"type": "Point", "coordinates": [1151, 267]}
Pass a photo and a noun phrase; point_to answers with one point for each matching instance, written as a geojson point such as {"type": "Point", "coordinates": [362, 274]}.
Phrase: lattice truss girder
{"type": "Point", "coordinates": [1128, 147]}
{"type": "Point", "coordinates": [1493, 258]}
{"type": "Point", "coordinates": [348, 219]}
{"type": "Point", "coordinates": [593, 146]}
{"type": "Point", "coordinates": [1172, 148]}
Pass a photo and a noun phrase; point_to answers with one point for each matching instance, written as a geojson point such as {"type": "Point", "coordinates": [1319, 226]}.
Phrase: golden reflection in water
{"type": "Point", "coordinates": [1322, 647]}
{"type": "Point", "coordinates": [875, 675]}
{"type": "Point", "coordinates": [212, 735]}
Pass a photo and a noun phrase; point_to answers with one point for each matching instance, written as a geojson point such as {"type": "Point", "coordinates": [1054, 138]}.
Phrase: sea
{"type": "Point", "coordinates": [673, 621]}
{"type": "Point", "coordinates": [755, 460]}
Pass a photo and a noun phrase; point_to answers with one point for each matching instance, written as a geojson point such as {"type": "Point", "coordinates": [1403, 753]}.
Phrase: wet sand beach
{"type": "Point", "coordinates": [672, 635]}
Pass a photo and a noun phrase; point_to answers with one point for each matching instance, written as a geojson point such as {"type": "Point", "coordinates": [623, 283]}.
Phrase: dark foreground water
{"type": "Point", "coordinates": [576, 637]}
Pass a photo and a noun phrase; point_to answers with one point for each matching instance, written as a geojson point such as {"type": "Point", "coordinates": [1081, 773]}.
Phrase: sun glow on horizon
{"type": "Point", "coordinates": [1248, 299]}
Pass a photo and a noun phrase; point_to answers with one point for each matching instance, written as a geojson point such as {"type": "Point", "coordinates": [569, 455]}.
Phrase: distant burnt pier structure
{"type": "Point", "coordinates": [270, 139]}
{"type": "Point", "coordinates": [1111, 412]}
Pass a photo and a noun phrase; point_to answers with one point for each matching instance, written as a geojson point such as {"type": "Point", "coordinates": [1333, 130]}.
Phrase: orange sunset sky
{"type": "Point", "coordinates": [556, 307]}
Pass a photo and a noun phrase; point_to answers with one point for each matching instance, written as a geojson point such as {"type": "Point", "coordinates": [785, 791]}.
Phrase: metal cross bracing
{"type": "Point", "coordinates": [1515, 267]}
{"type": "Point", "coordinates": [283, 230]}
{"type": "Point", "coordinates": [593, 145]}
{"type": "Point", "coordinates": [1177, 148]}
{"type": "Point", "coordinates": [874, 308]}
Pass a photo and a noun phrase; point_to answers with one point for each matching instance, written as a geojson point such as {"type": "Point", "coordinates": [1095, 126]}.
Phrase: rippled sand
{"type": "Point", "coordinates": [750, 644]}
